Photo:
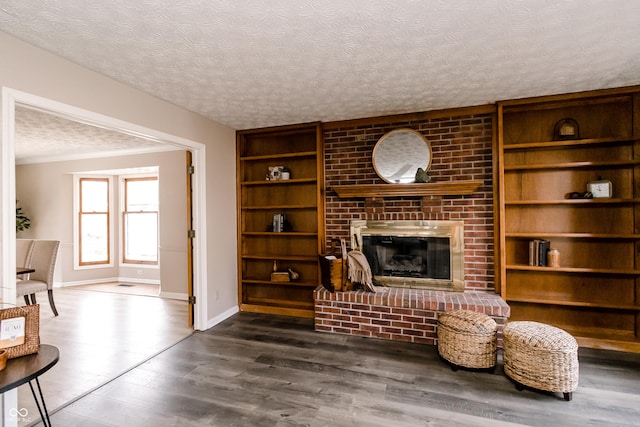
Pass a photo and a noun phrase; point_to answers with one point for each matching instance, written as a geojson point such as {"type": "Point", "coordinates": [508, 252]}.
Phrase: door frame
{"type": "Point", "coordinates": [11, 97]}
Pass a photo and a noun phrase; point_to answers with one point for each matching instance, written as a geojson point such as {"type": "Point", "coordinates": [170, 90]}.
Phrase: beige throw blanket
{"type": "Point", "coordinates": [359, 271]}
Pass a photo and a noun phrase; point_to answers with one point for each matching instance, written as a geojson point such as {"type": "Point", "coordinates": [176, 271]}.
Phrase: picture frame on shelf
{"type": "Point", "coordinates": [275, 173]}
{"type": "Point", "coordinates": [601, 188]}
{"type": "Point", "coordinates": [566, 128]}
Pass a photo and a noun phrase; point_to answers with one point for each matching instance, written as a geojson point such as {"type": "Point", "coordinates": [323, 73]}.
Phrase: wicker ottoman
{"type": "Point", "coordinates": [467, 339]}
{"type": "Point", "coordinates": [540, 356]}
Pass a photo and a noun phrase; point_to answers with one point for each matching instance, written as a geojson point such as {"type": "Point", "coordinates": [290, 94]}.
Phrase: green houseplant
{"type": "Point", "coordinates": [22, 221]}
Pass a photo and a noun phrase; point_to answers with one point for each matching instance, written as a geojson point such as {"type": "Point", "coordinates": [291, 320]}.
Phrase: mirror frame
{"type": "Point", "coordinates": [416, 138]}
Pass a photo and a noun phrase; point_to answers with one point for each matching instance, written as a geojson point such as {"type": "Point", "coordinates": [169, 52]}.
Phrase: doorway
{"type": "Point", "coordinates": [11, 98]}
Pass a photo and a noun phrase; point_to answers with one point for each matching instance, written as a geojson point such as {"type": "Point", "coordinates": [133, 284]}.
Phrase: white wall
{"type": "Point", "coordinates": [45, 192]}
{"type": "Point", "coordinates": [35, 71]}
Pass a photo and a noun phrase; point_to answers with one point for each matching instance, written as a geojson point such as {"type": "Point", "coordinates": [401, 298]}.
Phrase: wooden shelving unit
{"type": "Point", "coordinates": [300, 198]}
{"type": "Point", "coordinates": [595, 293]}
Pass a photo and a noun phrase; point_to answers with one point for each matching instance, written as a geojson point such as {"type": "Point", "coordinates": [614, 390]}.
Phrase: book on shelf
{"type": "Point", "coordinates": [538, 249]}
{"type": "Point", "coordinates": [280, 223]}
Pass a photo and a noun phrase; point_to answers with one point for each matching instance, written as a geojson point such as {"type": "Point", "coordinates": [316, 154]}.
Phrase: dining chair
{"type": "Point", "coordinates": [42, 259]}
{"type": "Point", "coordinates": [23, 254]}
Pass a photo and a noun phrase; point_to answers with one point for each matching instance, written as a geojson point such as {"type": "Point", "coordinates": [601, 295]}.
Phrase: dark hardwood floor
{"type": "Point", "coordinates": [100, 335]}
{"type": "Point", "coordinates": [260, 370]}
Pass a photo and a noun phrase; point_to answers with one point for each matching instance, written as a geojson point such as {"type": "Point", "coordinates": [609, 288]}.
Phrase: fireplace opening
{"type": "Point", "coordinates": [416, 257]}
{"type": "Point", "coordinates": [413, 254]}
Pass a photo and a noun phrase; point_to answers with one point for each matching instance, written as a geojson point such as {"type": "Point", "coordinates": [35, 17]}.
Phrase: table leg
{"type": "Point", "coordinates": [45, 418]}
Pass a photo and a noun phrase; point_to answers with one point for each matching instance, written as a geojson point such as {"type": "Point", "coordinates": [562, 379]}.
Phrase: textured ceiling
{"type": "Point", "coordinates": [250, 63]}
{"type": "Point", "coordinates": [44, 137]}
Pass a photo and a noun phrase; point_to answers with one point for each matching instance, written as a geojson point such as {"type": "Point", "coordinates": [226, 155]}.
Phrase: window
{"type": "Point", "coordinates": [93, 221]}
{"type": "Point", "coordinates": [140, 220]}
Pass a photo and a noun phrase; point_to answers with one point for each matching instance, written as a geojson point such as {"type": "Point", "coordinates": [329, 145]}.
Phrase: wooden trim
{"type": "Point", "coordinates": [320, 196]}
{"type": "Point", "coordinates": [626, 90]}
{"type": "Point", "coordinates": [265, 309]}
{"type": "Point", "coordinates": [280, 130]}
{"type": "Point", "coordinates": [279, 156]}
{"type": "Point", "coordinates": [433, 114]}
{"type": "Point", "coordinates": [607, 344]}
{"type": "Point", "coordinates": [189, 209]}
{"type": "Point", "coordinates": [281, 182]}
{"type": "Point", "coordinates": [82, 213]}
{"type": "Point", "coordinates": [239, 203]}
{"type": "Point", "coordinates": [553, 202]}
{"type": "Point", "coordinates": [568, 143]}
{"type": "Point", "coordinates": [498, 204]}
{"type": "Point", "coordinates": [451, 188]}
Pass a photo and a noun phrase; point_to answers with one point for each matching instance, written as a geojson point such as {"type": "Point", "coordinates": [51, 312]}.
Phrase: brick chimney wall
{"type": "Point", "coordinates": [462, 150]}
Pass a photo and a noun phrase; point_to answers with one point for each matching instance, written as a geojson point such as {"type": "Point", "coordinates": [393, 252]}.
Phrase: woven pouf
{"type": "Point", "coordinates": [540, 356]}
{"type": "Point", "coordinates": [467, 339]}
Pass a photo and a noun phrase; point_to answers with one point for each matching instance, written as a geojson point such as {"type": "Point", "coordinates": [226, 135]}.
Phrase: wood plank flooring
{"type": "Point", "coordinates": [261, 370]}
{"type": "Point", "coordinates": [100, 335]}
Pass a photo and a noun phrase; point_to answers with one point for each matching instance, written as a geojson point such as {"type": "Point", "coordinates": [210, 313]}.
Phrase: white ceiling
{"type": "Point", "coordinates": [45, 137]}
{"type": "Point", "coordinates": [250, 63]}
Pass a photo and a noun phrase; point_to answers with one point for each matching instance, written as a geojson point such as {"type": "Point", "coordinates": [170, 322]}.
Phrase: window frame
{"type": "Point", "coordinates": [77, 223]}
{"type": "Point", "coordinates": [123, 212]}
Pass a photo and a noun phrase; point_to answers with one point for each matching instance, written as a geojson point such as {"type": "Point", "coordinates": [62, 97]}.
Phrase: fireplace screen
{"type": "Point", "coordinates": [413, 254]}
{"type": "Point", "coordinates": [417, 257]}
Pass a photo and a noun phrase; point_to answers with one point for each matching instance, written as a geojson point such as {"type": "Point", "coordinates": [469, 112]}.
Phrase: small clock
{"type": "Point", "coordinates": [600, 188]}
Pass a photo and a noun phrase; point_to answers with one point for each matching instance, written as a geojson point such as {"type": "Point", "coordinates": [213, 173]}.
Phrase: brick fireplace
{"type": "Point", "coordinates": [461, 143]}
{"type": "Point", "coordinates": [399, 314]}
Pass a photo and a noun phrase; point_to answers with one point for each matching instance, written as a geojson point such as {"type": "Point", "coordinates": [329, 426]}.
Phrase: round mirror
{"type": "Point", "coordinates": [398, 155]}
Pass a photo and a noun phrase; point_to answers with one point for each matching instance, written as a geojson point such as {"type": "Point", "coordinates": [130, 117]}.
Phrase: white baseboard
{"type": "Point", "coordinates": [174, 295]}
{"type": "Point", "coordinates": [222, 316]}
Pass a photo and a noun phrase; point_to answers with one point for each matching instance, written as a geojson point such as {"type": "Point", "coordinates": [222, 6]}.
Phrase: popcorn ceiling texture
{"type": "Point", "coordinates": [248, 63]}
{"type": "Point", "coordinates": [46, 137]}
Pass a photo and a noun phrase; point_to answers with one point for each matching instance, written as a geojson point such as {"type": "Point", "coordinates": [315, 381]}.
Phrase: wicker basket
{"type": "Point", "coordinates": [541, 356]}
{"type": "Point", "coordinates": [31, 343]}
{"type": "Point", "coordinates": [468, 339]}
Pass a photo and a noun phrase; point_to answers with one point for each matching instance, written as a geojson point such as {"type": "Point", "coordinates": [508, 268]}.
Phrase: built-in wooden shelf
{"type": "Point", "coordinates": [595, 201]}
{"type": "Point", "coordinates": [574, 303]}
{"type": "Point", "coordinates": [277, 156]}
{"type": "Point", "coordinates": [277, 207]}
{"type": "Point", "coordinates": [300, 198]}
{"type": "Point", "coordinates": [569, 143]}
{"type": "Point", "coordinates": [535, 235]}
{"type": "Point", "coordinates": [280, 182]}
{"type": "Point", "coordinates": [272, 257]}
{"type": "Point", "coordinates": [572, 165]}
{"type": "Point", "coordinates": [523, 267]}
{"type": "Point", "coordinates": [595, 294]}
{"type": "Point", "coordinates": [280, 234]}
{"type": "Point", "coordinates": [291, 283]}
{"type": "Point", "coordinates": [449, 188]}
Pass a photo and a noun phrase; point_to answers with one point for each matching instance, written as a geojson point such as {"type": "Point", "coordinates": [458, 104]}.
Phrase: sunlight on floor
{"type": "Point", "coordinates": [101, 335]}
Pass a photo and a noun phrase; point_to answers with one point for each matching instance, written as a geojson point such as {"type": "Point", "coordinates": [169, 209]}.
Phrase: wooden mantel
{"type": "Point", "coordinates": [373, 191]}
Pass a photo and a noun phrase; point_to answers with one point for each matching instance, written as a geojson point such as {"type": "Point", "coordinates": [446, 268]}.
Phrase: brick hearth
{"type": "Point", "coordinates": [399, 314]}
